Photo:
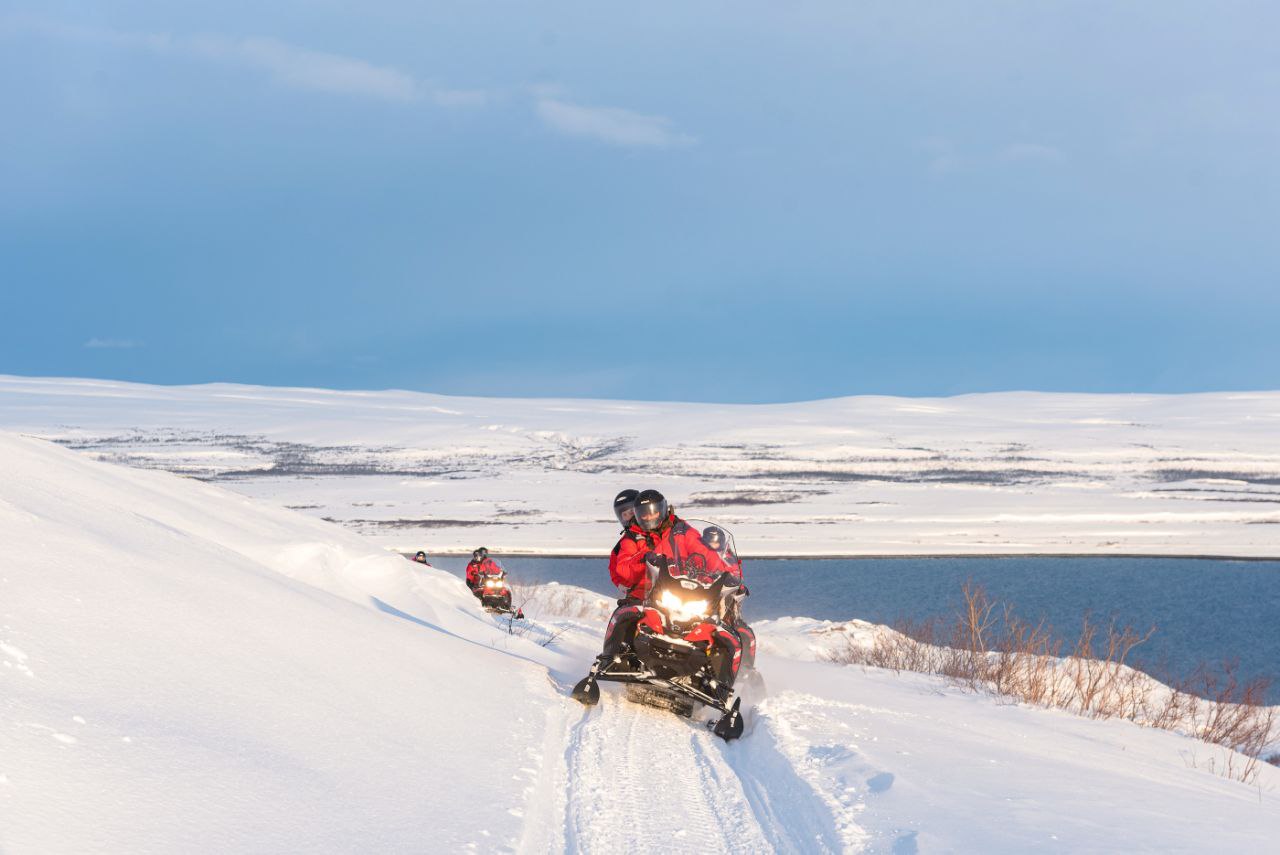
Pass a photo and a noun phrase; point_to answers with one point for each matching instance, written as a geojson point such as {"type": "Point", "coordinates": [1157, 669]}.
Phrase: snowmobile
{"type": "Point", "coordinates": [495, 596]}
{"type": "Point", "coordinates": [673, 661]}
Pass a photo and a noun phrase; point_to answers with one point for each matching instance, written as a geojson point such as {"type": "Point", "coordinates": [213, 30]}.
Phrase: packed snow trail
{"type": "Point", "coordinates": [645, 780]}
{"type": "Point", "coordinates": [690, 799]}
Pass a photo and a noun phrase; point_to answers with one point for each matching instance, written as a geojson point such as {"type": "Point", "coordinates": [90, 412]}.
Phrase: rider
{"type": "Point", "coordinates": [421, 557]}
{"type": "Point", "coordinates": [658, 533]}
{"type": "Point", "coordinates": [479, 566]}
{"type": "Point", "coordinates": [714, 538]}
{"type": "Point", "coordinates": [632, 537]}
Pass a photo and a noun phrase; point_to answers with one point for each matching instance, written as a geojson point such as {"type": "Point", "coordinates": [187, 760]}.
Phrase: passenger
{"type": "Point", "coordinates": [714, 538]}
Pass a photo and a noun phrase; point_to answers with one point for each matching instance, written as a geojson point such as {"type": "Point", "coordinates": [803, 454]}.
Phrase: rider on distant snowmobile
{"type": "Point", "coordinates": [656, 534]}
{"type": "Point", "coordinates": [480, 565]}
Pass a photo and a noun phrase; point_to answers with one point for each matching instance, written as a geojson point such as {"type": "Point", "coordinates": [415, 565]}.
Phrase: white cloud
{"type": "Point", "coordinates": [111, 344]}
{"type": "Point", "coordinates": [317, 71]}
{"type": "Point", "coordinates": [610, 124]}
{"type": "Point", "coordinates": [286, 64]}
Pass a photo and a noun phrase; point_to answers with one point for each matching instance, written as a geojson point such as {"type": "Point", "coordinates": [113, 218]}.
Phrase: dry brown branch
{"type": "Point", "coordinates": [1017, 659]}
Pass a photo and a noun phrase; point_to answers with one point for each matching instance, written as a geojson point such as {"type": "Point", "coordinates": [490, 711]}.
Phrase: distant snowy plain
{"type": "Point", "coordinates": [1010, 473]}
{"type": "Point", "coordinates": [185, 669]}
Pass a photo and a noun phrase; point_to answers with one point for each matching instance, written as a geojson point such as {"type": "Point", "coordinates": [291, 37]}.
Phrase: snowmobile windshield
{"type": "Point", "coordinates": [695, 568]}
{"type": "Point", "coordinates": [717, 539]}
{"type": "Point", "coordinates": [493, 567]}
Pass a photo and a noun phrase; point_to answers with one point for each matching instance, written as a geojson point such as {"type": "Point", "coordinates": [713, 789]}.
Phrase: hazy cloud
{"type": "Point", "coordinates": [944, 155]}
{"type": "Point", "coordinates": [941, 154]}
{"type": "Point", "coordinates": [459, 97]}
{"type": "Point", "coordinates": [112, 344]}
{"type": "Point", "coordinates": [318, 71]}
{"type": "Point", "coordinates": [286, 64]}
{"type": "Point", "coordinates": [1032, 153]}
{"type": "Point", "coordinates": [610, 124]}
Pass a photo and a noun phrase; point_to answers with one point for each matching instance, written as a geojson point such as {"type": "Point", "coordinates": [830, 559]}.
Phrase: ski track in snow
{"type": "Point", "coordinates": [700, 794]}
{"type": "Point", "coordinates": [822, 749]}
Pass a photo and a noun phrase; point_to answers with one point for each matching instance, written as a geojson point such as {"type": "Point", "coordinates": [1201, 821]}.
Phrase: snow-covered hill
{"type": "Point", "coordinates": [185, 669]}
{"type": "Point", "coordinates": [1012, 473]}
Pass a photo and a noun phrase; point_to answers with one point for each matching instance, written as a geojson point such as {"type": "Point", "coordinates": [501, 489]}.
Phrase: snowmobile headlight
{"type": "Point", "coordinates": [682, 609]}
{"type": "Point", "coordinates": [492, 583]}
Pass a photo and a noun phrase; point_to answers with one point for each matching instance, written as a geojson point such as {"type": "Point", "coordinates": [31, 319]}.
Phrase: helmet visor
{"type": "Point", "coordinates": [650, 514]}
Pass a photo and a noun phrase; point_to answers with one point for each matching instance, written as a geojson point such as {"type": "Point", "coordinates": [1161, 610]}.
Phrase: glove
{"type": "Point", "coordinates": [653, 559]}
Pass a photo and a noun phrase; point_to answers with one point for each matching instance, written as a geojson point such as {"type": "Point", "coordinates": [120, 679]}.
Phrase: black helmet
{"type": "Point", "coordinates": [624, 506]}
{"type": "Point", "coordinates": [713, 537]}
{"type": "Point", "coordinates": [420, 554]}
{"type": "Point", "coordinates": [651, 510]}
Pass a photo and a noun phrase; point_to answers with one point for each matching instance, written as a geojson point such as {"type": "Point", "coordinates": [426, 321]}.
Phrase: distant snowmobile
{"type": "Point", "coordinates": [493, 592]}
{"type": "Point", "coordinates": [674, 662]}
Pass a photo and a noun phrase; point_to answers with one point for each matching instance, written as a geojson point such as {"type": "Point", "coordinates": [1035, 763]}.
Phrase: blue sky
{"type": "Point", "coordinates": [695, 201]}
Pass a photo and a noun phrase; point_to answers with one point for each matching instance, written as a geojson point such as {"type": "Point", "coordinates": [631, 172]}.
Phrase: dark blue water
{"type": "Point", "coordinates": [1203, 610]}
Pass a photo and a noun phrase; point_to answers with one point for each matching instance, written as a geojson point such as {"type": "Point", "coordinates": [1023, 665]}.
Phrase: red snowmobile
{"type": "Point", "coordinates": [491, 588]}
{"type": "Point", "coordinates": [675, 662]}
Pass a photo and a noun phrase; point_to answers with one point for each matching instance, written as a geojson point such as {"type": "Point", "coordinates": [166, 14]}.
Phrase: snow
{"type": "Point", "coordinates": [1008, 473]}
{"type": "Point", "coordinates": [188, 669]}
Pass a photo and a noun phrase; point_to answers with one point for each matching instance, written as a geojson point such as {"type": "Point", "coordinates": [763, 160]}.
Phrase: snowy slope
{"type": "Point", "coordinates": [1010, 473]}
{"type": "Point", "coordinates": [188, 670]}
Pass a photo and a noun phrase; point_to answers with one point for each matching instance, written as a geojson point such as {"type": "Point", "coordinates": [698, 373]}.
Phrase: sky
{"type": "Point", "coordinates": [725, 202]}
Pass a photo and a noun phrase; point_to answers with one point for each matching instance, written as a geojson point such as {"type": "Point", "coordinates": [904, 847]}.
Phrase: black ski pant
{"type": "Point", "coordinates": [726, 654]}
{"type": "Point", "coordinates": [622, 625]}
{"type": "Point", "coordinates": [747, 636]}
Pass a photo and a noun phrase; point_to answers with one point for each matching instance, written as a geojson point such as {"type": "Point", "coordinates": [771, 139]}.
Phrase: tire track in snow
{"type": "Point", "coordinates": [643, 780]}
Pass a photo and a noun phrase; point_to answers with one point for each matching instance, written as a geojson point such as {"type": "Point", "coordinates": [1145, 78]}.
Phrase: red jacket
{"type": "Point", "coordinates": [483, 567]}
{"type": "Point", "coordinates": [674, 538]}
{"type": "Point", "coordinates": [631, 541]}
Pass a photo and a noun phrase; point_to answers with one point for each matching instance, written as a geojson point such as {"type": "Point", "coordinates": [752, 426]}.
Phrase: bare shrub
{"type": "Point", "coordinates": [1100, 683]}
{"type": "Point", "coordinates": [906, 646]}
{"type": "Point", "coordinates": [535, 601]}
{"type": "Point", "coordinates": [1234, 715]}
{"type": "Point", "coordinates": [1023, 664]}
{"type": "Point", "coordinates": [1015, 658]}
